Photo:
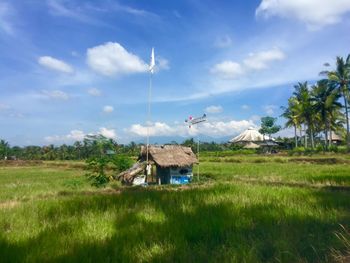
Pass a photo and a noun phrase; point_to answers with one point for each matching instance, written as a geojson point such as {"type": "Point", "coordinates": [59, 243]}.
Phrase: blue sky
{"type": "Point", "coordinates": [71, 68]}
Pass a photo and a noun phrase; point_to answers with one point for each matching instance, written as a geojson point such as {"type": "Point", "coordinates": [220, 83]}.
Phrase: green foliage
{"type": "Point", "coordinates": [101, 169]}
{"type": "Point", "coordinates": [97, 174]}
{"type": "Point", "coordinates": [4, 149]}
{"type": "Point", "coordinates": [268, 126]}
{"type": "Point", "coordinates": [121, 162]}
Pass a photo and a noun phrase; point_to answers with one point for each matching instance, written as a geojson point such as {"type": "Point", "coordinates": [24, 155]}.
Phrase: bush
{"type": "Point", "coordinates": [297, 151]}
{"type": "Point", "coordinates": [333, 148]}
{"type": "Point", "coordinates": [121, 162]}
{"type": "Point", "coordinates": [97, 171]}
{"type": "Point", "coordinates": [100, 168]}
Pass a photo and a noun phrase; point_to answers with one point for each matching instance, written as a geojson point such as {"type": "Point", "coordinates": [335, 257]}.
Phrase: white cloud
{"type": "Point", "coordinates": [228, 69]}
{"type": "Point", "coordinates": [314, 13]}
{"type": "Point", "coordinates": [270, 109]}
{"type": "Point", "coordinates": [113, 59]}
{"type": "Point", "coordinates": [213, 129]}
{"type": "Point", "coordinates": [254, 62]}
{"type": "Point", "coordinates": [255, 118]}
{"type": "Point", "coordinates": [245, 107]}
{"type": "Point", "coordinates": [108, 133]}
{"type": "Point", "coordinates": [6, 14]}
{"type": "Point", "coordinates": [108, 109]}
{"type": "Point", "coordinates": [55, 94]}
{"type": "Point", "coordinates": [78, 135]}
{"type": "Point", "coordinates": [157, 129]}
{"type": "Point", "coordinates": [162, 63]}
{"type": "Point", "coordinates": [223, 42]}
{"type": "Point", "coordinates": [214, 109]}
{"type": "Point", "coordinates": [74, 135]}
{"type": "Point", "coordinates": [261, 60]}
{"type": "Point", "coordinates": [71, 10]}
{"type": "Point", "coordinates": [55, 64]}
{"type": "Point", "coordinates": [94, 92]}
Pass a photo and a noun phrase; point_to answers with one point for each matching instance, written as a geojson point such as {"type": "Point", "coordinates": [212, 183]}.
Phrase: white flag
{"type": "Point", "coordinates": [153, 63]}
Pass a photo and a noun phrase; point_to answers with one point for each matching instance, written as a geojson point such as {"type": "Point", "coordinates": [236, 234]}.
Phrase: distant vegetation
{"type": "Point", "coordinates": [322, 108]}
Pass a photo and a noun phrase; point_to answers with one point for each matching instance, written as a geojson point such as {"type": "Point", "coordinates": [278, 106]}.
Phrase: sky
{"type": "Point", "coordinates": [69, 68]}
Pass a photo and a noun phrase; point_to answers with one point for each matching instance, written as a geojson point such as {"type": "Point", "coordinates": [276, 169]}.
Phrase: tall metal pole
{"type": "Point", "coordinates": [198, 159]}
{"type": "Point", "coordinates": [195, 121]}
{"type": "Point", "coordinates": [149, 114]}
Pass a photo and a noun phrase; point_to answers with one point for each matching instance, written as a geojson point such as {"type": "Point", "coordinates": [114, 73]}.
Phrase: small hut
{"type": "Point", "coordinates": [173, 163]}
{"type": "Point", "coordinates": [335, 138]}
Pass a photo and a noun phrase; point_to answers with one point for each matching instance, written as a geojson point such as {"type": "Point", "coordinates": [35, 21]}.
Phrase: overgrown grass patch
{"type": "Point", "coordinates": [246, 211]}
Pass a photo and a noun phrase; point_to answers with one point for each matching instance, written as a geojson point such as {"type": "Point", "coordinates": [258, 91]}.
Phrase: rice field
{"type": "Point", "coordinates": [242, 209]}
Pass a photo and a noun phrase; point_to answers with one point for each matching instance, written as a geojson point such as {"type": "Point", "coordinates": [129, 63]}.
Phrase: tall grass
{"type": "Point", "coordinates": [229, 219]}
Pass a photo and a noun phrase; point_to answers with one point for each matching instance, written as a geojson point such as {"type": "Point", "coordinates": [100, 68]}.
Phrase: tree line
{"type": "Point", "coordinates": [321, 109]}
{"type": "Point", "coordinates": [91, 146]}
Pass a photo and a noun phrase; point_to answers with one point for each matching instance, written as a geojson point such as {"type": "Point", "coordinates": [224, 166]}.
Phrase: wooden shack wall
{"type": "Point", "coordinates": [163, 174]}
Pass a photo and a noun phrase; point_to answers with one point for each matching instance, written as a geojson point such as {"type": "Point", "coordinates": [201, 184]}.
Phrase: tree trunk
{"type": "Point", "coordinates": [347, 119]}
{"type": "Point", "coordinates": [312, 138]}
{"type": "Point", "coordinates": [326, 136]}
{"type": "Point", "coordinates": [330, 137]}
{"type": "Point", "coordinates": [305, 134]}
{"type": "Point", "coordinates": [295, 136]}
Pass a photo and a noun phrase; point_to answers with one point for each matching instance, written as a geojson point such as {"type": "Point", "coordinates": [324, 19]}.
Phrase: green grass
{"type": "Point", "coordinates": [247, 211]}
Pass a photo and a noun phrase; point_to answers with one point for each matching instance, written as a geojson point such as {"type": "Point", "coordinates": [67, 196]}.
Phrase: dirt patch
{"type": "Point", "coordinates": [9, 204]}
{"type": "Point", "coordinates": [319, 160]}
{"type": "Point", "coordinates": [20, 162]}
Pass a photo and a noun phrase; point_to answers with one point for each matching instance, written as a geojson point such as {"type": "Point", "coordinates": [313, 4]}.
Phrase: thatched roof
{"type": "Point", "coordinates": [336, 137]}
{"type": "Point", "coordinates": [170, 155]}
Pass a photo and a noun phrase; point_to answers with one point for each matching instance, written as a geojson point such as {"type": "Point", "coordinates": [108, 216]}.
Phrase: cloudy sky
{"type": "Point", "coordinates": [71, 67]}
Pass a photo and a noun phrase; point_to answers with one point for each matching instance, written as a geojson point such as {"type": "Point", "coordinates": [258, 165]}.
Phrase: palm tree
{"type": "Point", "coordinates": [306, 109]}
{"type": "Point", "coordinates": [4, 148]}
{"type": "Point", "coordinates": [341, 78]}
{"type": "Point", "coordinates": [291, 114]}
{"type": "Point", "coordinates": [325, 96]}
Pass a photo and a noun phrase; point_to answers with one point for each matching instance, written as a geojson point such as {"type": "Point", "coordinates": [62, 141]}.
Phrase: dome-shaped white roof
{"type": "Point", "coordinates": [250, 135]}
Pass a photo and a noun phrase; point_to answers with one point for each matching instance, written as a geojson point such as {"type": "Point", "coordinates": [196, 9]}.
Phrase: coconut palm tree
{"type": "Point", "coordinates": [291, 114]}
{"type": "Point", "coordinates": [341, 78]}
{"type": "Point", "coordinates": [4, 148]}
{"type": "Point", "coordinates": [325, 96]}
{"type": "Point", "coordinates": [306, 110]}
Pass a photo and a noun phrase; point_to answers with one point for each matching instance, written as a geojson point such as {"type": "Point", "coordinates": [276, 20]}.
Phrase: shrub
{"type": "Point", "coordinates": [121, 162]}
{"type": "Point", "coordinates": [100, 168]}
{"type": "Point", "coordinates": [97, 171]}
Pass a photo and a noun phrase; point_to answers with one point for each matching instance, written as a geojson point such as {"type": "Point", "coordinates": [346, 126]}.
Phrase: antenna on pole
{"type": "Point", "coordinates": [194, 121]}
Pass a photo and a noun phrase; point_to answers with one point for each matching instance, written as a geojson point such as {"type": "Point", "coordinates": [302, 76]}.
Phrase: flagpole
{"type": "Point", "coordinates": [151, 69]}
{"type": "Point", "coordinates": [149, 112]}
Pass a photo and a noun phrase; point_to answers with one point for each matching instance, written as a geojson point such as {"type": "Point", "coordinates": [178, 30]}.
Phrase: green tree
{"type": "Point", "coordinates": [341, 78]}
{"type": "Point", "coordinates": [325, 97]}
{"type": "Point", "coordinates": [306, 114]}
{"type": "Point", "coordinates": [4, 149]}
{"type": "Point", "coordinates": [268, 126]}
{"type": "Point", "coordinates": [291, 114]}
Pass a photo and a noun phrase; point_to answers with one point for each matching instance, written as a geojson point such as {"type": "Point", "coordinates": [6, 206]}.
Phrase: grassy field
{"type": "Point", "coordinates": [243, 209]}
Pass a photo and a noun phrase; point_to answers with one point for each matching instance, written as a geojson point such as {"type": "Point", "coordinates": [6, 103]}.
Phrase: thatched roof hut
{"type": "Point", "coordinates": [336, 137]}
{"type": "Point", "coordinates": [170, 155]}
